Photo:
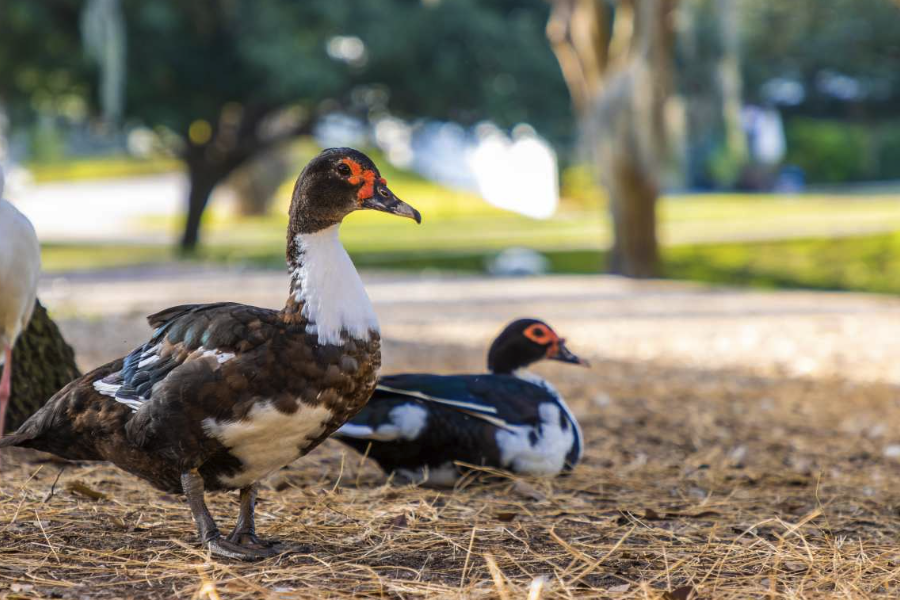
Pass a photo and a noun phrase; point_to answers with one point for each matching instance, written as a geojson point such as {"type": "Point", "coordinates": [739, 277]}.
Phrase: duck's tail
{"type": "Point", "coordinates": [15, 439]}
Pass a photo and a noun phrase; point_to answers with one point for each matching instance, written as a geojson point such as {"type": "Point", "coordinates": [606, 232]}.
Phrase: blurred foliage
{"type": "Point", "coordinates": [810, 40]}
{"type": "Point", "coordinates": [464, 60]}
{"type": "Point", "coordinates": [43, 68]}
{"type": "Point", "coordinates": [832, 151]}
{"type": "Point", "coordinates": [47, 143]}
{"type": "Point", "coordinates": [827, 151]}
{"type": "Point", "coordinates": [707, 62]}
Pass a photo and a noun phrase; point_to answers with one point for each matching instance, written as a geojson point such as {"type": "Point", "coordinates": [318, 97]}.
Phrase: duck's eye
{"type": "Point", "coordinates": [539, 334]}
{"type": "Point", "coordinates": [344, 169]}
{"type": "Point", "coordinates": [383, 192]}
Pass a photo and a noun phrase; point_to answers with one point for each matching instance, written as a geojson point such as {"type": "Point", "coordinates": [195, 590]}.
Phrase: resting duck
{"type": "Point", "coordinates": [223, 394]}
{"type": "Point", "coordinates": [418, 425]}
{"type": "Point", "coordinates": [20, 268]}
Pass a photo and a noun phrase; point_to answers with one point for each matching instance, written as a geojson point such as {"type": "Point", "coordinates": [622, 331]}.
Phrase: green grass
{"type": "Point", "coordinates": [864, 263]}
{"type": "Point", "coordinates": [102, 168]}
{"type": "Point", "coordinates": [61, 258]}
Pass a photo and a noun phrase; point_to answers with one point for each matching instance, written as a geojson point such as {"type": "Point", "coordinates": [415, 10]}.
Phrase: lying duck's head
{"type": "Point", "coordinates": [527, 341]}
{"type": "Point", "coordinates": [337, 182]}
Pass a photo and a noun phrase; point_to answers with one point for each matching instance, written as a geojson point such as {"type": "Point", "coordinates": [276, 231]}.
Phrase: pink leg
{"type": "Point", "coordinates": [5, 385]}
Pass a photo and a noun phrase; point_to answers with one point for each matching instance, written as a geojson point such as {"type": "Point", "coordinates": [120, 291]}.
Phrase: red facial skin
{"type": "Point", "coordinates": [365, 176]}
{"type": "Point", "coordinates": [543, 335]}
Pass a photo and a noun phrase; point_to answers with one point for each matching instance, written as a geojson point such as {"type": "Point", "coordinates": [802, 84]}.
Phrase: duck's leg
{"type": "Point", "coordinates": [192, 484]}
{"type": "Point", "coordinates": [5, 386]}
{"type": "Point", "coordinates": [244, 533]}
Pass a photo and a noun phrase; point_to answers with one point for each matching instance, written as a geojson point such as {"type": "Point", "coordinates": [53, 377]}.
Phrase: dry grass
{"type": "Point", "coordinates": [738, 486]}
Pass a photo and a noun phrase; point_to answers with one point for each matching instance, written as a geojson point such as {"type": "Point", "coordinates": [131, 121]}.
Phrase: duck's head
{"type": "Point", "coordinates": [526, 341]}
{"type": "Point", "coordinates": [334, 184]}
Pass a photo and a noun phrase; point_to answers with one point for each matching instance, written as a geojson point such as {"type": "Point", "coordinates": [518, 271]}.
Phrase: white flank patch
{"type": "Point", "coordinates": [405, 422]}
{"type": "Point", "coordinates": [333, 296]}
{"type": "Point", "coordinates": [538, 380]}
{"type": "Point", "coordinates": [548, 456]}
{"type": "Point", "coordinates": [443, 476]}
{"type": "Point", "coordinates": [363, 432]}
{"type": "Point", "coordinates": [267, 439]}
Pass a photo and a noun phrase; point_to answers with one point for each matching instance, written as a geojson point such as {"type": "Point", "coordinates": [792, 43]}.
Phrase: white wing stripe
{"type": "Point", "coordinates": [479, 408]}
{"type": "Point", "coordinates": [107, 389]}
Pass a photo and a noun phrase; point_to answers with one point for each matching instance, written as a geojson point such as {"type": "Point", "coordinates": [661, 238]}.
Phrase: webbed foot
{"type": "Point", "coordinates": [227, 548]}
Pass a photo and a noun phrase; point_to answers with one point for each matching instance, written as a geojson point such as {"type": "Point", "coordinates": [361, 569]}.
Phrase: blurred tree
{"type": "Point", "coordinates": [256, 183]}
{"type": "Point", "coordinates": [43, 364]}
{"type": "Point", "coordinates": [233, 78]}
{"type": "Point", "coordinates": [44, 70]}
{"type": "Point", "coordinates": [616, 57]}
{"type": "Point", "coordinates": [227, 80]}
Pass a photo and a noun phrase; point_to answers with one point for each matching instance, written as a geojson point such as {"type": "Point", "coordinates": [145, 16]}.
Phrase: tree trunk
{"type": "Point", "coordinates": [632, 197]}
{"type": "Point", "coordinates": [233, 141]}
{"type": "Point", "coordinates": [256, 183]}
{"type": "Point", "coordinates": [203, 180]}
{"type": "Point", "coordinates": [43, 363]}
{"type": "Point", "coordinates": [616, 58]}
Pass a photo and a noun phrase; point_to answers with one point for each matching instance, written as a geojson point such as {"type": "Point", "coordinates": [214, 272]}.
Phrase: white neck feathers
{"type": "Point", "coordinates": [326, 282]}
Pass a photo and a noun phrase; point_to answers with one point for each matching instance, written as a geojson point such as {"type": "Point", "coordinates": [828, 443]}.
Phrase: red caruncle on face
{"type": "Point", "coordinates": [367, 177]}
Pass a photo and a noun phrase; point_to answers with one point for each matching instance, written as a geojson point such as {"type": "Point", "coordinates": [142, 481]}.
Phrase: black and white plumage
{"type": "Point", "coordinates": [419, 425]}
{"type": "Point", "coordinates": [20, 269]}
{"type": "Point", "coordinates": [223, 394]}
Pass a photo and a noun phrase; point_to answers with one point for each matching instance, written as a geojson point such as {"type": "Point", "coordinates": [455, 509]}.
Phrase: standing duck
{"type": "Point", "coordinates": [20, 268]}
{"type": "Point", "coordinates": [418, 425]}
{"type": "Point", "coordinates": [223, 394]}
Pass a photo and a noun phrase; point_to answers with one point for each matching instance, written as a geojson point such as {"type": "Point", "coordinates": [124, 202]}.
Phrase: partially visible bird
{"type": "Point", "coordinates": [419, 425]}
{"type": "Point", "coordinates": [20, 268]}
{"type": "Point", "coordinates": [224, 394]}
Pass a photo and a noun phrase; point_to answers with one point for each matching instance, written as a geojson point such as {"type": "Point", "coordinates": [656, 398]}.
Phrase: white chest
{"type": "Point", "coordinates": [267, 439]}
{"type": "Point", "coordinates": [334, 299]}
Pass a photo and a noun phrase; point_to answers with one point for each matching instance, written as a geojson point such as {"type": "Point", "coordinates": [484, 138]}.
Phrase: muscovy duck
{"type": "Point", "coordinates": [223, 394]}
{"type": "Point", "coordinates": [419, 425]}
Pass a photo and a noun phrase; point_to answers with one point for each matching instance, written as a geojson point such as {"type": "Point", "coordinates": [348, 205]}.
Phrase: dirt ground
{"type": "Point", "coordinates": [738, 445]}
